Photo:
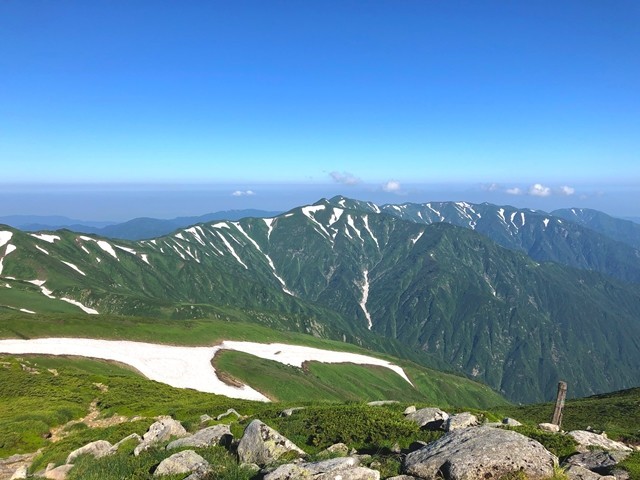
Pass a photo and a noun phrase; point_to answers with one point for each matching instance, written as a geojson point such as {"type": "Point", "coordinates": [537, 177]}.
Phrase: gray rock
{"type": "Point", "coordinates": [231, 411]}
{"type": "Point", "coordinates": [58, 473]}
{"type": "Point", "coordinates": [207, 437]}
{"type": "Point", "coordinates": [98, 449]}
{"type": "Point", "coordinates": [460, 420]}
{"type": "Point", "coordinates": [510, 422]}
{"type": "Point", "coordinates": [429, 418]}
{"type": "Point", "coordinates": [379, 403]}
{"type": "Point", "coordinates": [589, 439]}
{"type": "Point", "coordinates": [549, 427]}
{"type": "Point", "coordinates": [182, 462]}
{"type": "Point", "coordinates": [262, 445]}
{"type": "Point", "coordinates": [20, 473]}
{"type": "Point", "coordinates": [133, 436]}
{"type": "Point", "coordinates": [597, 461]}
{"type": "Point", "coordinates": [205, 418]}
{"type": "Point", "coordinates": [339, 449]}
{"type": "Point", "coordinates": [576, 472]}
{"type": "Point", "coordinates": [160, 431]}
{"type": "Point", "coordinates": [347, 468]}
{"type": "Point", "coordinates": [621, 474]}
{"type": "Point", "coordinates": [410, 409]}
{"type": "Point", "coordinates": [290, 411]}
{"type": "Point", "coordinates": [403, 477]}
{"type": "Point", "coordinates": [480, 453]}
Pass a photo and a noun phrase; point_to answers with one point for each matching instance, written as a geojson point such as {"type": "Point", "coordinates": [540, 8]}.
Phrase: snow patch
{"type": "Point", "coordinates": [38, 283]}
{"type": "Point", "coordinates": [365, 297]}
{"type": "Point", "coordinates": [365, 219]}
{"type": "Point", "coordinates": [68, 264]}
{"type": "Point", "coordinates": [5, 236]}
{"type": "Point", "coordinates": [44, 237]}
{"type": "Point", "coordinates": [145, 258]}
{"type": "Point", "coordinates": [27, 311]}
{"type": "Point", "coordinates": [308, 211]}
{"type": "Point", "coordinates": [501, 215]}
{"type": "Point", "coordinates": [85, 250]}
{"type": "Point", "coordinates": [42, 250]}
{"type": "Point", "coordinates": [232, 251]}
{"type": "Point", "coordinates": [84, 308]}
{"type": "Point", "coordinates": [194, 231]}
{"type": "Point", "coordinates": [417, 237]}
{"type": "Point", "coordinates": [352, 225]}
{"type": "Point", "coordinates": [127, 249]}
{"type": "Point", "coordinates": [269, 223]}
{"type": "Point", "coordinates": [10, 248]}
{"type": "Point", "coordinates": [546, 222]}
{"type": "Point", "coordinates": [335, 216]}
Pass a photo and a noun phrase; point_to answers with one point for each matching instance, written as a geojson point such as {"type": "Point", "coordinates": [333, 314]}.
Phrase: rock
{"type": "Point", "coordinates": [262, 445]}
{"type": "Point", "coordinates": [510, 422]}
{"type": "Point", "coordinates": [231, 411]}
{"type": "Point", "coordinates": [589, 439]}
{"type": "Point", "coordinates": [290, 411]}
{"type": "Point", "coordinates": [58, 473]}
{"type": "Point", "coordinates": [182, 462]}
{"type": "Point", "coordinates": [379, 403]}
{"type": "Point", "coordinates": [480, 453]}
{"type": "Point", "coordinates": [98, 449]}
{"type": "Point", "coordinates": [460, 420]}
{"type": "Point", "coordinates": [621, 474]}
{"type": "Point", "coordinates": [133, 436]}
{"type": "Point", "coordinates": [20, 473]}
{"type": "Point", "coordinates": [576, 472]}
{"type": "Point", "coordinates": [205, 418]}
{"type": "Point", "coordinates": [347, 468]}
{"type": "Point", "coordinates": [338, 449]}
{"type": "Point", "coordinates": [11, 465]}
{"type": "Point", "coordinates": [207, 437]}
{"type": "Point", "coordinates": [417, 445]}
{"type": "Point", "coordinates": [403, 477]}
{"type": "Point", "coordinates": [597, 461]}
{"type": "Point", "coordinates": [163, 429]}
{"type": "Point", "coordinates": [410, 409]}
{"type": "Point", "coordinates": [549, 427]}
{"type": "Point", "coordinates": [429, 418]}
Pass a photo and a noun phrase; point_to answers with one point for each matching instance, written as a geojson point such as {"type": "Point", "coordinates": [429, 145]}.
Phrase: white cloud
{"type": "Point", "coordinates": [345, 178]}
{"type": "Point", "coordinates": [243, 193]}
{"type": "Point", "coordinates": [391, 186]}
{"type": "Point", "coordinates": [514, 191]}
{"type": "Point", "coordinates": [566, 190]}
{"type": "Point", "coordinates": [539, 190]}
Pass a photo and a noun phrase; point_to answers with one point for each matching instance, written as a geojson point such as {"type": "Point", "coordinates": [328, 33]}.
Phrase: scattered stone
{"type": "Point", "coordinates": [549, 427]}
{"type": "Point", "coordinates": [347, 468]}
{"type": "Point", "coordinates": [429, 418]}
{"type": "Point", "coordinates": [479, 453]}
{"type": "Point", "coordinates": [410, 409]}
{"type": "Point", "coordinates": [460, 420]}
{"type": "Point", "coordinates": [58, 473]}
{"type": "Point", "coordinates": [262, 445]}
{"type": "Point", "coordinates": [207, 437]}
{"type": "Point", "coordinates": [53, 371]}
{"type": "Point", "coordinates": [290, 411]}
{"type": "Point", "coordinates": [182, 462]}
{"type": "Point", "coordinates": [133, 436]}
{"type": "Point", "coordinates": [402, 477]}
{"type": "Point", "coordinates": [589, 439]}
{"type": "Point", "coordinates": [576, 472]}
{"type": "Point", "coordinates": [597, 461]}
{"type": "Point", "coordinates": [231, 411]}
{"type": "Point", "coordinates": [20, 473]}
{"type": "Point", "coordinates": [205, 418]}
{"type": "Point", "coordinates": [163, 429]}
{"type": "Point", "coordinates": [510, 422]}
{"type": "Point", "coordinates": [98, 449]}
{"type": "Point", "coordinates": [379, 403]}
{"type": "Point", "coordinates": [337, 449]}
{"type": "Point", "coordinates": [395, 448]}
{"type": "Point", "coordinates": [10, 465]}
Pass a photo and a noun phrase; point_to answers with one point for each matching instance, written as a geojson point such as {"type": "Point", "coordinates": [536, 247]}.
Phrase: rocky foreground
{"type": "Point", "coordinates": [466, 451]}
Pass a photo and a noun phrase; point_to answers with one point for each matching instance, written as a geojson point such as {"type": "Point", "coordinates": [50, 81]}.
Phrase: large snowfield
{"type": "Point", "coordinates": [187, 367]}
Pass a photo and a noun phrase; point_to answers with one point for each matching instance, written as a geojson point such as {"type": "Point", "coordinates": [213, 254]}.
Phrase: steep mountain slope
{"type": "Point", "coordinates": [344, 271]}
{"type": "Point", "coordinates": [624, 231]}
{"type": "Point", "coordinates": [543, 236]}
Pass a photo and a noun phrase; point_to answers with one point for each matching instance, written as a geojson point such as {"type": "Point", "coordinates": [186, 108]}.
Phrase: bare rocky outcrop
{"type": "Point", "coordinates": [576, 472]}
{"type": "Point", "coordinates": [346, 468]}
{"type": "Point", "coordinates": [549, 427]}
{"type": "Point", "coordinates": [480, 453]}
{"type": "Point", "coordinates": [207, 437]}
{"type": "Point", "coordinates": [160, 431]}
{"type": "Point", "coordinates": [58, 473]}
{"type": "Point", "coordinates": [598, 461]}
{"type": "Point", "coordinates": [186, 461]}
{"type": "Point", "coordinates": [590, 439]}
{"type": "Point", "coordinates": [260, 444]}
{"type": "Point", "coordinates": [429, 418]}
{"type": "Point", "coordinates": [98, 449]}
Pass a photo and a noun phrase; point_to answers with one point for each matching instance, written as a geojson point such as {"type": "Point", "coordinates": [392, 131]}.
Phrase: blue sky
{"type": "Point", "coordinates": [529, 103]}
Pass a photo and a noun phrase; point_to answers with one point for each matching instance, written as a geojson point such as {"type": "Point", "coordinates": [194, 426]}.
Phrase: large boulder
{"type": "Point", "coordinates": [20, 473]}
{"type": "Point", "coordinates": [346, 468]}
{"type": "Point", "coordinates": [186, 461]}
{"type": "Point", "coordinates": [480, 453]}
{"type": "Point", "coordinates": [576, 472]}
{"type": "Point", "coordinates": [97, 449]}
{"type": "Point", "coordinates": [207, 437]}
{"type": "Point", "coordinates": [261, 444]}
{"type": "Point", "coordinates": [58, 473]}
{"type": "Point", "coordinates": [597, 460]}
{"type": "Point", "coordinates": [586, 440]}
{"type": "Point", "coordinates": [429, 418]}
{"type": "Point", "coordinates": [160, 431]}
{"type": "Point", "coordinates": [460, 420]}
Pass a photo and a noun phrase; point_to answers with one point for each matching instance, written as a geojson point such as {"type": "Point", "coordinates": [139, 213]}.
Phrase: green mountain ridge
{"type": "Point", "coordinates": [348, 270]}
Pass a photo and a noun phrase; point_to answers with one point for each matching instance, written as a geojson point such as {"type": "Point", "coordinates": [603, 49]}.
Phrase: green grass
{"type": "Point", "coordinates": [32, 299]}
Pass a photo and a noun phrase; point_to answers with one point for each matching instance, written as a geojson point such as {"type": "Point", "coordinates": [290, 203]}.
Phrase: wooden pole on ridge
{"type": "Point", "coordinates": [557, 413]}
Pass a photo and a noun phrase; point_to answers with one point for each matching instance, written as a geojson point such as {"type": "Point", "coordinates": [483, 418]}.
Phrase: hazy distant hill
{"type": "Point", "coordinates": [621, 230]}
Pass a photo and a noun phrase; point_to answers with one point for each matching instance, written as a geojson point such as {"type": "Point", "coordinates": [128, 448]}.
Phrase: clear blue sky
{"type": "Point", "coordinates": [395, 100]}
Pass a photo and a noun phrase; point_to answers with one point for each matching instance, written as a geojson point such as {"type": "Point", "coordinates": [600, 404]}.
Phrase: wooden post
{"type": "Point", "coordinates": [557, 413]}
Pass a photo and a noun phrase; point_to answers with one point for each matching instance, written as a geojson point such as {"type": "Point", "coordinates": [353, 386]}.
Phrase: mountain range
{"type": "Point", "coordinates": [515, 298]}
